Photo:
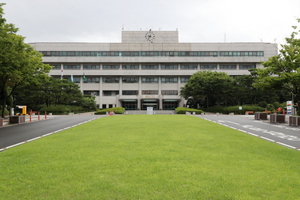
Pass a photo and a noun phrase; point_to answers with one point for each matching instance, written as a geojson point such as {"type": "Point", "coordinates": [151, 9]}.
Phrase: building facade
{"type": "Point", "coordinates": [148, 68]}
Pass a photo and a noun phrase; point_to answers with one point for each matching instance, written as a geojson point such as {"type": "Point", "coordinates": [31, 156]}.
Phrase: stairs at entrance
{"type": "Point", "coordinates": [156, 112]}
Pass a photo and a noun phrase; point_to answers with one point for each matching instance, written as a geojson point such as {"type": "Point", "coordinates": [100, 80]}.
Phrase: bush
{"type": "Point", "coordinates": [234, 109]}
{"type": "Point", "coordinates": [62, 109]}
{"type": "Point", "coordinates": [263, 104]}
{"type": "Point", "coordinates": [116, 110]}
{"type": "Point", "coordinates": [183, 110]}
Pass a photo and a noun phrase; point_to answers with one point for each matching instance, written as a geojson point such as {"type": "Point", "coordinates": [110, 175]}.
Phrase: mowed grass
{"type": "Point", "coordinates": [150, 157]}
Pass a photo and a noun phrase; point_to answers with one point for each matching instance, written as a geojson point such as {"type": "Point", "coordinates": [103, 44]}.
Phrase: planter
{"type": "Point", "coordinates": [260, 116]}
{"type": "Point", "coordinates": [274, 118]}
{"type": "Point", "coordinates": [17, 119]}
{"type": "Point", "coordinates": [294, 121]}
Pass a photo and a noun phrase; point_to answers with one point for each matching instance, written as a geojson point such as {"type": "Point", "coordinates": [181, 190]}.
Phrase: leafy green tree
{"type": "Point", "coordinates": [282, 72]}
{"type": "Point", "coordinates": [19, 62]}
{"type": "Point", "coordinates": [49, 91]}
{"type": "Point", "coordinates": [208, 88]}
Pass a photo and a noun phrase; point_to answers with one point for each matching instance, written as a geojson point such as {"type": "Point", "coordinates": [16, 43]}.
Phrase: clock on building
{"type": "Point", "coordinates": [149, 36]}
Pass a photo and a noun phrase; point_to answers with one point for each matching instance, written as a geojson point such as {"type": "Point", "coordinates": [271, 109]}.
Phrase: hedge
{"type": "Point", "coordinates": [234, 109]}
{"type": "Point", "coordinates": [116, 110]}
{"type": "Point", "coordinates": [183, 110]}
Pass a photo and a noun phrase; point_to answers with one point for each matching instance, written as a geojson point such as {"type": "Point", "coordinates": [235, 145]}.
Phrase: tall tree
{"type": "Point", "coordinates": [208, 88]}
{"type": "Point", "coordinates": [282, 72]}
{"type": "Point", "coordinates": [19, 62]}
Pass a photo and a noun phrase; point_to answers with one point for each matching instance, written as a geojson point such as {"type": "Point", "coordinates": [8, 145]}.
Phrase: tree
{"type": "Point", "coordinates": [282, 72]}
{"type": "Point", "coordinates": [19, 62]}
{"type": "Point", "coordinates": [49, 91]}
{"type": "Point", "coordinates": [208, 88]}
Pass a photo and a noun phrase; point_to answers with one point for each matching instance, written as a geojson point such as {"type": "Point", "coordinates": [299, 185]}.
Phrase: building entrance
{"type": "Point", "coordinates": [169, 104]}
{"type": "Point", "coordinates": [150, 103]}
{"type": "Point", "coordinates": [129, 104]}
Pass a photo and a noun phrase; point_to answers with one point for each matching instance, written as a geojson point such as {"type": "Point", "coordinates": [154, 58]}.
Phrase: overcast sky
{"type": "Point", "coordinates": [196, 20]}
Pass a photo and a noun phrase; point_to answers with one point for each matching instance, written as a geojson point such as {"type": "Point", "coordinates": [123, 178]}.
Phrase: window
{"type": "Point", "coordinates": [75, 79]}
{"type": "Point", "coordinates": [184, 79]}
{"type": "Point", "coordinates": [110, 92]}
{"type": "Point", "coordinates": [208, 67]}
{"type": "Point", "coordinates": [169, 80]}
{"type": "Point", "coordinates": [169, 66]}
{"type": "Point", "coordinates": [91, 93]}
{"type": "Point", "coordinates": [247, 66]}
{"type": "Point", "coordinates": [73, 67]}
{"type": "Point", "coordinates": [130, 80]}
{"type": "Point", "coordinates": [169, 92]}
{"type": "Point", "coordinates": [112, 67]}
{"type": "Point", "coordinates": [92, 80]}
{"type": "Point", "coordinates": [130, 67]}
{"type": "Point", "coordinates": [149, 66]}
{"type": "Point", "coordinates": [56, 66]}
{"type": "Point", "coordinates": [130, 92]}
{"type": "Point", "coordinates": [192, 66]}
{"type": "Point", "coordinates": [110, 80]}
{"type": "Point", "coordinates": [150, 80]}
{"type": "Point", "coordinates": [91, 66]}
{"type": "Point", "coordinates": [151, 92]}
{"type": "Point", "coordinates": [229, 67]}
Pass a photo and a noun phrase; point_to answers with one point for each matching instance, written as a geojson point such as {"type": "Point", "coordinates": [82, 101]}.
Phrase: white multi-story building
{"type": "Point", "coordinates": [148, 68]}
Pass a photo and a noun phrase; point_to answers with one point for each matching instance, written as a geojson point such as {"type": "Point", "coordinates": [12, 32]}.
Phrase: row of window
{"type": "Point", "coordinates": [154, 53]}
{"type": "Point", "coordinates": [88, 79]}
{"type": "Point", "coordinates": [129, 92]}
{"type": "Point", "coordinates": [156, 67]}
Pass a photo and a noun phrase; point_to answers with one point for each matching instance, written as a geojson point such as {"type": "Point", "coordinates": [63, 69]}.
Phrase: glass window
{"type": "Point", "coordinates": [55, 66]}
{"type": "Point", "coordinates": [113, 67]}
{"type": "Point", "coordinates": [184, 79]}
{"type": "Point", "coordinates": [110, 80]}
{"type": "Point", "coordinates": [130, 66]}
{"type": "Point", "coordinates": [110, 92]}
{"type": "Point", "coordinates": [91, 66]}
{"type": "Point", "coordinates": [151, 92]}
{"type": "Point", "coordinates": [130, 80]}
{"type": "Point", "coordinates": [91, 92]}
{"type": "Point", "coordinates": [92, 80]}
{"type": "Point", "coordinates": [247, 66]}
{"type": "Point", "coordinates": [149, 80]}
{"type": "Point", "coordinates": [169, 80]}
{"type": "Point", "coordinates": [229, 67]}
{"type": "Point", "coordinates": [73, 67]}
{"type": "Point", "coordinates": [75, 79]}
{"type": "Point", "coordinates": [169, 92]}
{"type": "Point", "coordinates": [130, 92]}
{"type": "Point", "coordinates": [208, 67]}
{"type": "Point", "coordinates": [169, 66]}
{"type": "Point", "coordinates": [191, 66]}
{"type": "Point", "coordinates": [149, 66]}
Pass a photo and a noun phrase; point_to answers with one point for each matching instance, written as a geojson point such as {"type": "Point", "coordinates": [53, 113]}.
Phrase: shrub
{"type": "Point", "coordinates": [234, 109]}
{"type": "Point", "coordinates": [116, 110]}
{"type": "Point", "coordinates": [62, 109]}
{"type": "Point", "coordinates": [183, 110]}
{"type": "Point", "coordinates": [263, 104]}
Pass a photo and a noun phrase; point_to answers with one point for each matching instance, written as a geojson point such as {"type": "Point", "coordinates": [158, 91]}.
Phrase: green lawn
{"type": "Point", "coordinates": [150, 157]}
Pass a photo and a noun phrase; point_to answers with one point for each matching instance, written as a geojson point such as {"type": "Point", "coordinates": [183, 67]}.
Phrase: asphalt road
{"type": "Point", "coordinates": [280, 133]}
{"type": "Point", "coordinates": [11, 135]}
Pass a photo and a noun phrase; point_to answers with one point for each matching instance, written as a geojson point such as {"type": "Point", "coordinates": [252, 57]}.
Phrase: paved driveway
{"type": "Point", "coordinates": [18, 134]}
{"type": "Point", "coordinates": [280, 133]}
